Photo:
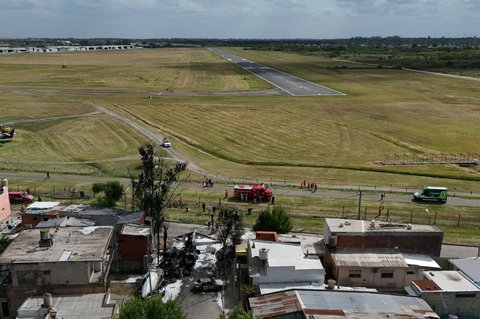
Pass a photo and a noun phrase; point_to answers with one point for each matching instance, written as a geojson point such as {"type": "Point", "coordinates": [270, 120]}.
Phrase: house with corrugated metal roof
{"type": "Point", "coordinates": [383, 269]}
{"type": "Point", "coordinates": [325, 304]}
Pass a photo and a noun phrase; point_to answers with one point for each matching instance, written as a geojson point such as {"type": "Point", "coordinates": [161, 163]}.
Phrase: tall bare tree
{"type": "Point", "coordinates": [156, 187]}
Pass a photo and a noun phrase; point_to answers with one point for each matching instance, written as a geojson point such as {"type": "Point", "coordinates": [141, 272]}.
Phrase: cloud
{"type": "Point", "coordinates": [238, 18]}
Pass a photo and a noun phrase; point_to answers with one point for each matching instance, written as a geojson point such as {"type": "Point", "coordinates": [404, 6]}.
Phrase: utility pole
{"type": "Point", "coordinates": [359, 203]}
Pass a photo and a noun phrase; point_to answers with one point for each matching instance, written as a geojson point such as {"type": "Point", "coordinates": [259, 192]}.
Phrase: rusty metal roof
{"type": "Point", "coordinates": [336, 304]}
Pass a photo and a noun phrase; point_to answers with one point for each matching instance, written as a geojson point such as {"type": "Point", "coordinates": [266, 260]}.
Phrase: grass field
{"type": "Point", "coordinates": [329, 140]}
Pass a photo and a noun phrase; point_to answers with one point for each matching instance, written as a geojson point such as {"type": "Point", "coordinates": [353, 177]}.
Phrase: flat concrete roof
{"type": "Point", "coordinates": [421, 261]}
{"type": "Point", "coordinates": [72, 307]}
{"type": "Point", "coordinates": [337, 225]}
{"type": "Point", "coordinates": [85, 243]}
{"type": "Point", "coordinates": [285, 255]}
{"type": "Point", "coordinates": [384, 258]}
{"type": "Point", "coordinates": [451, 281]}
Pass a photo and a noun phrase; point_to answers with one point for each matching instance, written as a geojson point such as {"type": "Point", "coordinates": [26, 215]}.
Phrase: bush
{"type": "Point", "coordinates": [112, 193]}
{"type": "Point", "coordinates": [277, 220]}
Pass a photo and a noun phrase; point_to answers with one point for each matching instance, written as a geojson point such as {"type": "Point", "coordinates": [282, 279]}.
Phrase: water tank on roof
{"type": "Point", "coordinates": [331, 284]}
{"type": "Point", "coordinates": [44, 234]}
{"type": "Point", "coordinates": [332, 241]}
{"type": "Point", "coordinates": [47, 300]}
{"type": "Point", "coordinates": [263, 254]}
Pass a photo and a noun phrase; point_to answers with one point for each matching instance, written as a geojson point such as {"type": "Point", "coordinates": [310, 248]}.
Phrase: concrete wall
{"type": "Point", "coordinates": [54, 273]}
{"type": "Point", "coordinates": [451, 303]}
{"type": "Point", "coordinates": [371, 277]}
{"type": "Point", "coordinates": [289, 274]}
{"type": "Point", "coordinates": [133, 247]}
{"type": "Point", "coordinates": [5, 211]}
{"type": "Point", "coordinates": [429, 244]}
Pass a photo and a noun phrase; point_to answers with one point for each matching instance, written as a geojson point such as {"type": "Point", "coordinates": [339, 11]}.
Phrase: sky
{"type": "Point", "coordinates": [247, 19]}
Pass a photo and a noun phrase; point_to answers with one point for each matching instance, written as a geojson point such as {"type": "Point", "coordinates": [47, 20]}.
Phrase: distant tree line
{"type": "Point", "coordinates": [264, 44]}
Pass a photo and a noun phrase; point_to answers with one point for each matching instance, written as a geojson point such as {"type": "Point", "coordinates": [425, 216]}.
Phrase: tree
{"type": "Point", "coordinates": [231, 230]}
{"type": "Point", "coordinates": [277, 220]}
{"type": "Point", "coordinates": [151, 308]}
{"type": "Point", "coordinates": [112, 191]}
{"type": "Point", "coordinates": [238, 313]}
{"type": "Point", "coordinates": [156, 188]}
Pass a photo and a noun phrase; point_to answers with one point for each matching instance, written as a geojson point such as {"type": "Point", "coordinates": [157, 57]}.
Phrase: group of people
{"type": "Point", "coordinates": [207, 182]}
{"type": "Point", "coordinates": [211, 210]}
{"type": "Point", "coordinates": [308, 185]}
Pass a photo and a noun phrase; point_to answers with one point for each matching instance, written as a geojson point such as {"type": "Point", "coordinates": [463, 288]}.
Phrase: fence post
{"type": "Point", "coordinates": [411, 216]}
{"type": "Point", "coordinates": [435, 218]}
{"type": "Point", "coordinates": [365, 215]}
{"type": "Point", "coordinates": [458, 221]}
{"type": "Point", "coordinates": [343, 210]}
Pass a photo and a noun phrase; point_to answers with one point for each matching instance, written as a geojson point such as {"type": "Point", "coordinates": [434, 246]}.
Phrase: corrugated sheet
{"type": "Point", "coordinates": [370, 258]}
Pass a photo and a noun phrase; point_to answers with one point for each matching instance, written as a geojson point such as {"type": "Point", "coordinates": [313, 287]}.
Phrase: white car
{"type": "Point", "coordinates": [166, 143]}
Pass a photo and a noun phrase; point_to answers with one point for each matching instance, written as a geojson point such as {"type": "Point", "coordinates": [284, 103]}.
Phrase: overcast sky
{"type": "Point", "coordinates": [238, 18]}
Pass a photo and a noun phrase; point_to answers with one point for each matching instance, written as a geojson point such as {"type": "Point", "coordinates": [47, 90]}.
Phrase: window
{"type": "Point", "coordinates": [410, 272]}
{"type": "Point", "coordinates": [5, 311]}
{"type": "Point", "coordinates": [464, 295]}
{"type": "Point", "coordinates": [25, 277]}
{"type": "Point", "coordinates": [354, 274]}
{"type": "Point", "coordinates": [387, 274]}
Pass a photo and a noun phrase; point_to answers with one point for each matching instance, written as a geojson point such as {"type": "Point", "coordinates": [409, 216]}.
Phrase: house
{"type": "Point", "coordinates": [135, 242]}
{"type": "Point", "coordinates": [468, 266]}
{"type": "Point", "coordinates": [449, 293]}
{"type": "Point", "coordinates": [315, 304]}
{"type": "Point", "coordinates": [5, 210]}
{"type": "Point", "coordinates": [39, 212]}
{"type": "Point", "coordinates": [64, 260]}
{"type": "Point", "coordinates": [92, 306]}
{"type": "Point", "coordinates": [282, 263]}
{"type": "Point", "coordinates": [407, 238]}
{"type": "Point", "coordinates": [369, 267]}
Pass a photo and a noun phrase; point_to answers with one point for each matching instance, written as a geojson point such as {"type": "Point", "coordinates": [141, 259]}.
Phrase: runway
{"type": "Point", "coordinates": [290, 84]}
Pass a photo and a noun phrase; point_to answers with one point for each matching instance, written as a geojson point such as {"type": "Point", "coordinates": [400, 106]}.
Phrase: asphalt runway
{"type": "Point", "coordinates": [290, 84]}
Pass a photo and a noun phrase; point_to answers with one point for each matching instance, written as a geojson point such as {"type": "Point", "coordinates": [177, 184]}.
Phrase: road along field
{"type": "Point", "coordinates": [330, 140]}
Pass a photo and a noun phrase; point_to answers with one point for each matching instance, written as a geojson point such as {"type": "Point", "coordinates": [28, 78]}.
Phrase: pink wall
{"type": "Point", "coordinates": [5, 211]}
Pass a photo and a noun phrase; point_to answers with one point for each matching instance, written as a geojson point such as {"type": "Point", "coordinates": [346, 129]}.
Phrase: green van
{"type": "Point", "coordinates": [431, 193]}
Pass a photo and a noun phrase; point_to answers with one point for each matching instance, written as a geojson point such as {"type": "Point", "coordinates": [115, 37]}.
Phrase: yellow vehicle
{"type": "Point", "coordinates": [5, 129]}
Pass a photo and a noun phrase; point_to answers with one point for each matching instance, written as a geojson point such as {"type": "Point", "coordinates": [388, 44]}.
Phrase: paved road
{"type": "Point", "coordinates": [288, 83]}
{"type": "Point", "coordinates": [321, 192]}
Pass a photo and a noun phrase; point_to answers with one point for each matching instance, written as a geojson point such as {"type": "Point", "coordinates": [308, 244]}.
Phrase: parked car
{"type": "Point", "coordinates": [166, 143]}
{"type": "Point", "coordinates": [207, 284]}
{"type": "Point", "coordinates": [20, 197]}
{"type": "Point", "coordinates": [432, 193]}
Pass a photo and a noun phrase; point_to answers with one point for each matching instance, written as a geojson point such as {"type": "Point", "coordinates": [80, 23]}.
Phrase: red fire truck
{"type": "Point", "coordinates": [251, 192]}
